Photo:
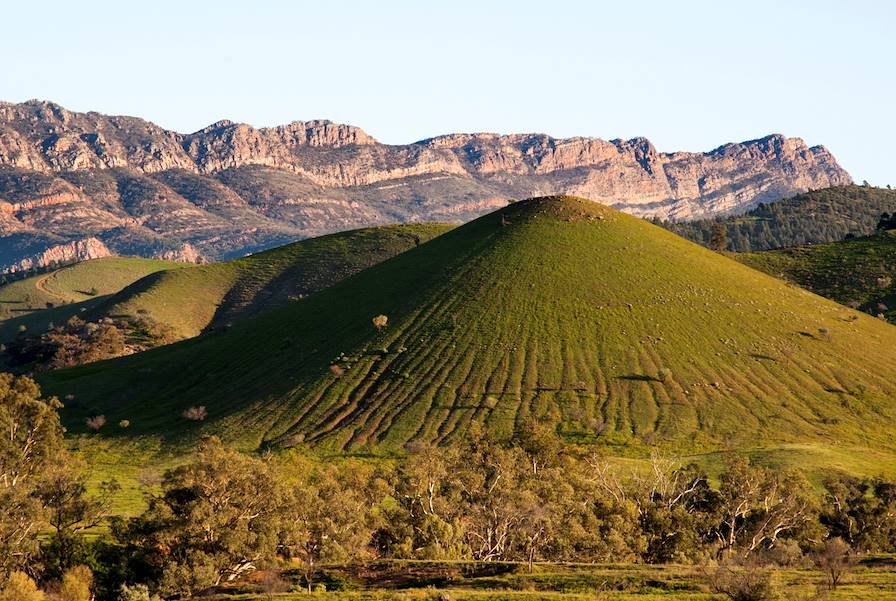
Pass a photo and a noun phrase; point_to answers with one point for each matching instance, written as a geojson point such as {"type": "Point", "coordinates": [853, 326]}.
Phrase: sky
{"type": "Point", "coordinates": [688, 75]}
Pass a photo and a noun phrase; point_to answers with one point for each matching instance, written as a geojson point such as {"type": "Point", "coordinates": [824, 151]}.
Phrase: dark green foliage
{"type": "Point", "coordinates": [818, 216]}
{"type": "Point", "coordinates": [718, 237]}
{"type": "Point", "coordinates": [862, 512]}
{"type": "Point", "coordinates": [44, 504]}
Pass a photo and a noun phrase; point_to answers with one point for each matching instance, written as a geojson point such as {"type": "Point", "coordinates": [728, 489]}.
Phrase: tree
{"type": "Point", "coordinates": [674, 502]}
{"type": "Point", "coordinates": [787, 508]}
{"type": "Point", "coordinates": [217, 519]}
{"type": "Point", "coordinates": [380, 322]}
{"type": "Point", "coordinates": [860, 511]}
{"type": "Point", "coordinates": [489, 487]}
{"type": "Point", "coordinates": [325, 520]}
{"type": "Point", "coordinates": [539, 442]}
{"type": "Point", "coordinates": [69, 511]}
{"type": "Point", "coordinates": [426, 523]}
{"type": "Point", "coordinates": [718, 238]}
{"type": "Point", "coordinates": [31, 438]}
{"type": "Point", "coordinates": [756, 506]}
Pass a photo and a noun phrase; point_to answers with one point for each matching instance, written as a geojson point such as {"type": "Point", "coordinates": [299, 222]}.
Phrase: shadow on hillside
{"type": "Point", "coordinates": [638, 378]}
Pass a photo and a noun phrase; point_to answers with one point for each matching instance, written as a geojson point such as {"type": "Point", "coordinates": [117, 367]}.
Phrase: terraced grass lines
{"type": "Point", "coordinates": [559, 309]}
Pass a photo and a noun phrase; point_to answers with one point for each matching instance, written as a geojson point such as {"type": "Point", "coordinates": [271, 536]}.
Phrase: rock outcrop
{"type": "Point", "coordinates": [230, 188]}
{"type": "Point", "coordinates": [70, 252]}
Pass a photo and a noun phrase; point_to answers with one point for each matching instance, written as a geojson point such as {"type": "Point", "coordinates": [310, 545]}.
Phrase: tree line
{"type": "Point", "coordinates": [815, 217]}
{"type": "Point", "coordinates": [223, 515]}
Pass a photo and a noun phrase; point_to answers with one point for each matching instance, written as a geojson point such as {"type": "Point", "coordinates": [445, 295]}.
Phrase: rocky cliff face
{"type": "Point", "coordinates": [230, 188]}
{"type": "Point", "coordinates": [70, 252]}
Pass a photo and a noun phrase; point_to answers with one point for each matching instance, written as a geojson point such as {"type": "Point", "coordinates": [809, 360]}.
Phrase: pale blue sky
{"type": "Point", "coordinates": [687, 75]}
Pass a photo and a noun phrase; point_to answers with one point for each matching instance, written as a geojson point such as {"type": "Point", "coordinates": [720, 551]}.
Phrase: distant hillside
{"type": "Point", "coordinates": [36, 301]}
{"type": "Point", "coordinates": [171, 304]}
{"type": "Point", "coordinates": [231, 189]}
{"type": "Point", "coordinates": [190, 300]}
{"type": "Point", "coordinates": [860, 273]}
{"type": "Point", "coordinates": [814, 217]}
{"type": "Point", "coordinates": [602, 325]}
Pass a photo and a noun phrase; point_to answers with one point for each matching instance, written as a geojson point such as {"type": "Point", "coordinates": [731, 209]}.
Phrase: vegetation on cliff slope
{"type": "Point", "coordinates": [818, 216]}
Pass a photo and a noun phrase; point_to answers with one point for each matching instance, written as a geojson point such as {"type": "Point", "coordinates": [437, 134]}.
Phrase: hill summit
{"type": "Point", "coordinates": [555, 308]}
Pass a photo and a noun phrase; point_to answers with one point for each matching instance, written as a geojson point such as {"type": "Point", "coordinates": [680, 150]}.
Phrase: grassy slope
{"type": "Point", "coordinates": [189, 300]}
{"type": "Point", "coordinates": [861, 272]}
{"type": "Point", "coordinates": [570, 312]}
{"type": "Point", "coordinates": [25, 302]}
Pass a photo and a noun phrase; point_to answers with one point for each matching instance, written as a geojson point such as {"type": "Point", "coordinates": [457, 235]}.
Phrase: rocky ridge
{"type": "Point", "coordinates": [230, 188]}
{"type": "Point", "coordinates": [70, 252]}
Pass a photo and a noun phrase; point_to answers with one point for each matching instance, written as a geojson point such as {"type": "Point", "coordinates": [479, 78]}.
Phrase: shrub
{"type": "Point", "coordinates": [834, 559]}
{"type": "Point", "coordinates": [748, 583]}
{"type": "Point", "coordinates": [95, 423]}
{"type": "Point", "coordinates": [195, 414]}
{"type": "Point", "coordinates": [138, 592]}
{"type": "Point", "coordinates": [337, 370]}
{"type": "Point", "coordinates": [271, 583]}
{"type": "Point", "coordinates": [19, 587]}
{"type": "Point", "coordinates": [76, 584]}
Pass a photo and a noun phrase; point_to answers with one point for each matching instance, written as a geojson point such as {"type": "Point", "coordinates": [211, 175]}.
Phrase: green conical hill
{"type": "Point", "coordinates": [555, 308]}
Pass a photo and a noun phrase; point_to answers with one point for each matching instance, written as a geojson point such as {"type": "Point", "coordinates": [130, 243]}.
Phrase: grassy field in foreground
{"type": "Point", "coordinates": [438, 581]}
{"type": "Point", "coordinates": [860, 272]}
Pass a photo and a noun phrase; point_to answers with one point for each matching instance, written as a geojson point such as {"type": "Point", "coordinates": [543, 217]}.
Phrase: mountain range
{"type": "Point", "coordinates": [83, 185]}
